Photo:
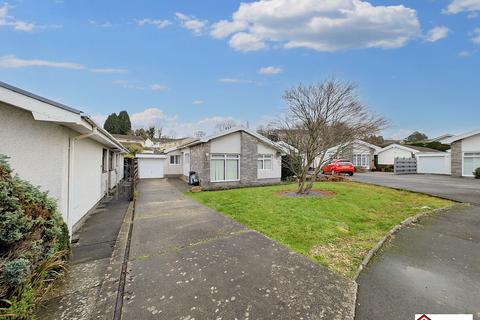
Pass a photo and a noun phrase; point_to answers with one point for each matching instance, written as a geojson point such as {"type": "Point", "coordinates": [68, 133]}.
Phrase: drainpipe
{"type": "Point", "coordinates": [71, 154]}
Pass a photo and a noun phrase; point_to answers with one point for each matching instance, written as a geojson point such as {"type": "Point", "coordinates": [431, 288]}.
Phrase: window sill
{"type": "Point", "coordinates": [220, 181]}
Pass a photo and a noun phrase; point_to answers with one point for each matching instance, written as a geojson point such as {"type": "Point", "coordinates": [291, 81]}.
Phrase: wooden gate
{"type": "Point", "coordinates": [405, 166]}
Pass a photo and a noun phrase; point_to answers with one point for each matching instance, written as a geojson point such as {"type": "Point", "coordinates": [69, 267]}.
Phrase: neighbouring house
{"type": "Point", "coordinates": [360, 153]}
{"type": "Point", "coordinates": [127, 140]}
{"type": "Point", "coordinates": [60, 149]}
{"type": "Point", "coordinates": [441, 139]}
{"type": "Point", "coordinates": [386, 156]}
{"type": "Point", "coordinates": [465, 153]}
{"type": "Point", "coordinates": [236, 157]}
{"type": "Point", "coordinates": [159, 143]}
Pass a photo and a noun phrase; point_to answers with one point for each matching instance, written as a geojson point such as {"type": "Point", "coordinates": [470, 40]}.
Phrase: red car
{"type": "Point", "coordinates": [339, 166]}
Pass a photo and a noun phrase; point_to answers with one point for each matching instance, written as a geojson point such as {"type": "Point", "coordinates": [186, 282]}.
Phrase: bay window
{"type": "Point", "coordinates": [471, 161]}
{"type": "Point", "coordinates": [224, 167]}
{"type": "Point", "coordinates": [264, 162]}
{"type": "Point", "coordinates": [361, 160]}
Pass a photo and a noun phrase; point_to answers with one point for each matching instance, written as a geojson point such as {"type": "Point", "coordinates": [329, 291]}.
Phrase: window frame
{"type": "Point", "coordinates": [224, 157]}
{"type": "Point", "coordinates": [174, 156]}
{"type": "Point", "coordinates": [263, 158]}
{"type": "Point", "coordinates": [475, 154]}
{"type": "Point", "coordinates": [104, 160]}
{"type": "Point", "coordinates": [361, 157]}
{"type": "Point", "coordinates": [112, 161]}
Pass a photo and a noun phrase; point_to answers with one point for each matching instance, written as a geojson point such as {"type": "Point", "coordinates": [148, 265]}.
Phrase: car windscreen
{"type": "Point", "coordinates": [344, 163]}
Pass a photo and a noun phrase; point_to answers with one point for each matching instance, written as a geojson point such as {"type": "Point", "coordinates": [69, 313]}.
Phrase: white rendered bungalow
{"type": "Point", "coordinates": [60, 149]}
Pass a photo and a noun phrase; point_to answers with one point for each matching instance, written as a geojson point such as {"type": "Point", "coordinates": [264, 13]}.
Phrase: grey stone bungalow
{"type": "Point", "coordinates": [465, 153]}
{"type": "Point", "coordinates": [236, 157]}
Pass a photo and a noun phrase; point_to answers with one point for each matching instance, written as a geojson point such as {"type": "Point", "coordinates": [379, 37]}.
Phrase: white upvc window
{"type": "Point", "coordinates": [224, 167]}
{"type": "Point", "coordinates": [361, 159]}
{"type": "Point", "coordinates": [471, 161]}
{"type": "Point", "coordinates": [175, 159]}
{"type": "Point", "coordinates": [264, 162]}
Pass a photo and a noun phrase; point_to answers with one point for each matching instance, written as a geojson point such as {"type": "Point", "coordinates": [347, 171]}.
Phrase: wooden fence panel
{"type": "Point", "coordinates": [405, 166]}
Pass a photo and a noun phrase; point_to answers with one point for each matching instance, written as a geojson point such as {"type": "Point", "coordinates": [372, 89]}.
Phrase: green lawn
{"type": "Point", "coordinates": [335, 231]}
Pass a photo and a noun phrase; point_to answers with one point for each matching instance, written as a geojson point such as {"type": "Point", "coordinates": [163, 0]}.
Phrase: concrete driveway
{"type": "Point", "coordinates": [431, 267]}
{"type": "Point", "coordinates": [458, 189]}
{"type": "Point", "coordinates": [189, 262]}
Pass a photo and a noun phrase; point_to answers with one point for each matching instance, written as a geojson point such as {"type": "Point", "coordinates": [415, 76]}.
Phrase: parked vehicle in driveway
{"type": "Point", "coordinates": [339, 166]}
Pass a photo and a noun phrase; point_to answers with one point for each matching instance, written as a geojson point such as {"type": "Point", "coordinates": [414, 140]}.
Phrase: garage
{"type": "Point", "coordinates": [151, 166]}
{"type": "Point", "coordinates": [434, 163]}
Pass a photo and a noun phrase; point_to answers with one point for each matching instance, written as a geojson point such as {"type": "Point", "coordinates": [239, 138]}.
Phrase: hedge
{"type": "Point", "coordinates": [34, 244]}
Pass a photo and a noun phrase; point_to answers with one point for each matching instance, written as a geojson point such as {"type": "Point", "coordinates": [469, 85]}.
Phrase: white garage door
{"type": "Point", "coordinates": [150, 168]}
{"type": "Point", "coordinates": [435, 163]}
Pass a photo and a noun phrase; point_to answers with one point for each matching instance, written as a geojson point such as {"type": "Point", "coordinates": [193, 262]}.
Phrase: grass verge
{"type": "Point", "coordinates": [336, 231]}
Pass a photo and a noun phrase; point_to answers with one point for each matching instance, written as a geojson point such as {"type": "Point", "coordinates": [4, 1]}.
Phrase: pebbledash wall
{"type": "Point", "coordinates": [39, 153]}
{"type": "Point", "coordinates": [249, 148]}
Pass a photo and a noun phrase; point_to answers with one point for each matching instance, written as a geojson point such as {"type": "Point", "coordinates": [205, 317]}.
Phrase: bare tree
{"type": "Point", "coordinates": [225, 125]}
{"type": "Point", "coordinates": [319, 117]}
{"type": "Point", "coordinates": [199, 134]}
{"type": "Point", "coordinates": [269, 130]}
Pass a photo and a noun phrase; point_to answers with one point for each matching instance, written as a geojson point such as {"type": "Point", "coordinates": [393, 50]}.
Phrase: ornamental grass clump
{"type": "Point", "coordinates": [34, 244]}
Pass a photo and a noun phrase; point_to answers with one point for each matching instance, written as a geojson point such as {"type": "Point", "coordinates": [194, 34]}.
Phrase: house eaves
{"type": "Point", "coordinates": [43, 109]}
{"type": "Point", "coordinates": [461, 136]}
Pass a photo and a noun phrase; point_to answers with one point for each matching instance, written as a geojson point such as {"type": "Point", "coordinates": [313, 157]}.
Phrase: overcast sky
{"type": "Point", "coordinates": [186, 65]}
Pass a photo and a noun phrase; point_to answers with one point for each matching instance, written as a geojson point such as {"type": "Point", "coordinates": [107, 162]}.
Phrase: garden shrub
{"type": "Point", "coordinates": [34, 244]}
{"type": "Point", "coordinates": [476, 173]}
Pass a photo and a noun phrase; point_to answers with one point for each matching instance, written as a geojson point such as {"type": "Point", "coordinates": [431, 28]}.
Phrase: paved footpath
{"type": "Point", "coordinates": [431, 267]}
{"type": "Point", "coordinates": [77, 296]}
{"type": "Point", "coordinates": [189, 262]}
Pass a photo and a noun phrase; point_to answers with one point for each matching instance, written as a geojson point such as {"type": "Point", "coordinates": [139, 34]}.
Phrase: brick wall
{"type": "Point", "coordinates": [457, 158]}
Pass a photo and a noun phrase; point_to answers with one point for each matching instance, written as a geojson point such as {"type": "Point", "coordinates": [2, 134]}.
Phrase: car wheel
{"type": "Point", "coordinates": [350, 174]}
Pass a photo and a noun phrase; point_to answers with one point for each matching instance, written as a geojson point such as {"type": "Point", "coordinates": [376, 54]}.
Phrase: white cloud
{"type": "Point", "coordinates": [109, 70]}
{"type": "Point", "coordinates": [198, 101]}
{"type": "Point", "coordinates": [9, 21]}
{"type": "Point", "coordinates": [140, 86]}
{"type": "Point", "coordinates": [396, 133]}
{"type": "Point", "coordinates": [151, 117]}
{"type": "Point", "coordinates": [437, 33]}
{"type": "Point", "coordinates": [10, 61]}
{"type": "Point", "coordinates": [270, 70]}
{"type": "Point", "coordinates": [243, 41]}
{"type": "Point", "coordinates": [172, 126]}
{"type": "Point", "coordinates": [157, 87]}
{"type": "Point", "coordinates": [191, 23]}
{"type": "Point", "coordinates": [234, 80]}
{"type": "Point", "coordinates": [320, 25]}
{"type": "Point", "coordinates": [160, 24]}
{"type": "Point", "coordinates": [464, 54]}
{"type": "Point", "coordinates": [457, 6]}
{"type": "Point", "coordinates": [476, 36]}
{"type": "Point", "coordinates": [100, 119]}
{"type": "Point", "coordinates": [106, 24]}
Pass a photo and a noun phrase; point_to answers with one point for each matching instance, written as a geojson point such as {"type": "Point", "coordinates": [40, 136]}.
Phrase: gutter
{"type": "Point", "coordinates": [104, 132]}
